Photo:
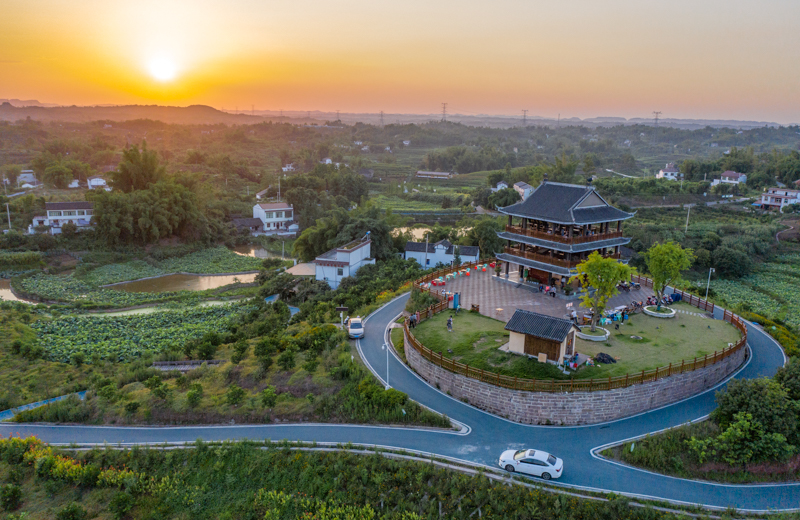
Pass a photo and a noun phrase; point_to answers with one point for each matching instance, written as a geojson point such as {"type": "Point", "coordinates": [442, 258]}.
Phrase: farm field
{"type": "Point", "coordinates": [85, 287]}
{"type": "Point", "coordinates": [122, 338]}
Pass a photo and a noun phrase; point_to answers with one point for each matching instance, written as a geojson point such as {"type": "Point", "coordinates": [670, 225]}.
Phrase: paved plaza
{"type": "Point", "coordinates": [499, 298]}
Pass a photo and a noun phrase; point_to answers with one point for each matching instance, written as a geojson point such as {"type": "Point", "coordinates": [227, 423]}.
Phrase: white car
{"type": "Point", "coordinates": [532, 462]}
{"type": "Point", "coordinates": [355, 328]}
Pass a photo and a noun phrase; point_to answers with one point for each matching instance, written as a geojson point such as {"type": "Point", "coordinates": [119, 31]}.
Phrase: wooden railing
{"type": "Point", "coordinates": [576, 385]}
{"type": "Point", "coordinates": [552, 237]}
{"type": "Point", "coordinates": [689, 298]}
{"type": "Point", "coordinates": [547, 259]}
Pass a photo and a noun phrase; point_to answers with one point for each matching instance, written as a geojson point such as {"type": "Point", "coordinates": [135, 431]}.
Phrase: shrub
{"type": "Point", "coordinates": [287, 359]}
{"type": "Point", "coordinates": [132, 407]}
{"type": "Point", "coordinates": [269, 397]}
{"type": "Point", "coordinates": [743, 442]}
{"type": "Point", "coordinates": [235, 395]}
{"type": "Point", "coordinates": [10, 497]}
{"type": "Point", "coordinates": [789, 378]}
{"type": "Point", "coordinates": [764, 399]}
{"type": "Point", "coordinates": [72, 511]}
{"type": "Point", "coordinates": [121, 504]}
{"type": "Point", "coordinates": [193, 398]}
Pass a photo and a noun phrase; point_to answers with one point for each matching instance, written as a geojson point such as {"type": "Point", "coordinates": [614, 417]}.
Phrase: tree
{"type": "Point", "coordinates": [58, 175]}
{"type": "Point", "coordinates": [503, 198]}
{"type": "Point", "coordinates": [765, 400]}
{"type": "Point", "coordinates": [68, 229]}
{"type": "Point", "coordinates": [484, 235]}
{"type": "Point", "coordinates": [665, 263]}
{"type": "Point", "coordinates": [602, 275]}
{"type": "Point", "coordinates": [138, 169]}
{"type": "Point", "coordinates": [731, 263]}
{"type": "Point", "coordinates": [456, 255]}
{"type": "Point", "coordinates": [788, 377]}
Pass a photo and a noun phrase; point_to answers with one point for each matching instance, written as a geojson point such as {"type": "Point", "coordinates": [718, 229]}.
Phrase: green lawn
{"type": "Point", "coordinates": [475, 340]}
{"type": "Point", "coordinates": [664, 341]}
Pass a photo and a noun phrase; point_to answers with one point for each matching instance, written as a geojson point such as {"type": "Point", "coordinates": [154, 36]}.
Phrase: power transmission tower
{"type": "Point", "coordinates": [308, 114]}
{"type": "Point", "coordinates": [252, 110]}
{"type": "Point", "coordinates": [444, 112]}
{"type": "Point", "coordinates": [559, 121]}
{"type": "Point", "coordinates": [524, 117]}
{"type": "Point", "coordinates": [381, 117]}
{"type": "Point", "coordinates": [281, 113]}
{"type": "Point", "coordinates": [337, 116]}
{"type": "Point", "coordinates": [655, 124]}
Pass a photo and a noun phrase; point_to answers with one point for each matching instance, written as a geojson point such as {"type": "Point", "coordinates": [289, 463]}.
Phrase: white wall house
{"type": "Point", "coordinates": [500, 186]}
{"type": "Point", "coordinates": [97, 182]}
{"type": "Point", "coordinates": [442, 252]}
{"type": "Point", "coordinates": [74, 184]}
{"type": "Point", "coordinates": [524, 189]}
{"type": "Point", "coordinates": [778, 198]}
{"type": "Point", "coordinates": [730, 177]}
{"type": "Point", "coordinates": [669, 172]}
{"type": "Point", "coordinates": [276, 217]}
{"type": "Point", "coordinates": [288, 168]}
{"type": "Point", "coordinates": [59, 213]}
{"type": "Point", "coordinates": [343, 261]}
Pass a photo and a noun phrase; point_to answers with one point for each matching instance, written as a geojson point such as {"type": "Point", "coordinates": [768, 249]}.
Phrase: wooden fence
{"type": "Point", "coordinates": [574, 385]}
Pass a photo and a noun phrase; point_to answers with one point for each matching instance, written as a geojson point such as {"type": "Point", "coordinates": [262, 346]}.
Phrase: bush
{"type": "Point", "coordinates": [789, 378]}
{"type": "Point", "coordinates": [10, 497]}
{"type": "Point", "coordinates": [269, 397]}
{"type": "Point", "coordinates": [193, 398]}
{"type": "Point", "coordinates": [121, 504]}
{"type": "Point", "coordinates": [235, 395]}
{"type": "Point", "coordinates": [72, 511]}
{"type": "Point", "coordinates": [132, 407]}
{"type": "Point", "coordinates": [766, 401]}
{"type": "Point", "coordinates": [743, 442]}
{"type": "Point", "coordinates": [287, 359]}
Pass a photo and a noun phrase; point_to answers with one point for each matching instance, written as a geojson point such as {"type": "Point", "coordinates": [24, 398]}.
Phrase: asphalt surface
{"type": "Point", "coordinates": [485, 436]}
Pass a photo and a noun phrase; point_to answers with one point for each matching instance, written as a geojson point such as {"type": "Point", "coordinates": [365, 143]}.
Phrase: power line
{"type": "Point", "coordinates": [444, 112]}
{"type": "Point", "coordinates": [524, 117]}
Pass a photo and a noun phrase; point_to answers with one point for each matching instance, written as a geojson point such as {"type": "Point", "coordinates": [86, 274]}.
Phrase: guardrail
{"type": "Point", "coordinates": [573, 385]}
{"type": "Point", "coordinates": [552, 237]}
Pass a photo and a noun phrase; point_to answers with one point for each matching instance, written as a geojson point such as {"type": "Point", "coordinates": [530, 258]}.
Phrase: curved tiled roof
{"type": "Point", "coordinates": [557, 202]}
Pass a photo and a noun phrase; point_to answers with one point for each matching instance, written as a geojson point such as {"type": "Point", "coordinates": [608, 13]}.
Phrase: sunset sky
{"type": "Point", "coordinates": [729, 59]}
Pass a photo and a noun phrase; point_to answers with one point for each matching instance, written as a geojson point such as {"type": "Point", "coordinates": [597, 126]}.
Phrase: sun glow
{"type": "Point", "coordinates": [162, 69]}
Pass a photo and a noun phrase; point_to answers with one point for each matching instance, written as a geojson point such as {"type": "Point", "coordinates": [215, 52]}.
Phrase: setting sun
{"type": "Point", "coordinates": [162, 69]}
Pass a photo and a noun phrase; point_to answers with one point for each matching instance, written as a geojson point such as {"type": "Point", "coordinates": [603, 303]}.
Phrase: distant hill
{"type": "Point", "coordinates": [191, 115]}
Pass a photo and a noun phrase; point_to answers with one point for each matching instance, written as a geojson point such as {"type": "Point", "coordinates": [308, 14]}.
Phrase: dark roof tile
{"type": "Point", "coordinates": [539, 325]}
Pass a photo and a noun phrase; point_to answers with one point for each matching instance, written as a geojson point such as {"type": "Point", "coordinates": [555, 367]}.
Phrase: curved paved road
{"type": "Point", "coordinates": [487, 435]}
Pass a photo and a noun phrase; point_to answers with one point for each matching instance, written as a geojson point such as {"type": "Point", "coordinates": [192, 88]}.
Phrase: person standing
{"type": "Point", "coordinates": [450, 324]}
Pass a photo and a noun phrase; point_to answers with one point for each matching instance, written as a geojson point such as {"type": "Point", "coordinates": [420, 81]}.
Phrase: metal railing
{"type": "Point", "coordinates": [576, 385]}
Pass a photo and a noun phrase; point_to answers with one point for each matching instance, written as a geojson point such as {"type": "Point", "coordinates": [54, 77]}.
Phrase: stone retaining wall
{"type": "Point", "coordinates": [569, 409]}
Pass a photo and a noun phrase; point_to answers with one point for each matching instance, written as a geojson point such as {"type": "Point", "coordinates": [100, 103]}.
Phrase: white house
{"type": "Point", "coordinates": [326, 160]}
{"type": "Point", "coordinates": [288, 168]}
{"type": "Point", "coordinates": [96, 182]}
{"type": "Point", "coordinates": [524, 189]}
{"type": "Point", "coordinates": [441, 252]}
{"type": "Point", "coordinates": [406, 143]}
{"type": "Point", "coordinates": [27, 177]}
{"type": "Point", "coordinates": [500, 186]}
{"type": "Point", "coordinates": [59, 213]}
{"type": "Point", "coordinates": [343, 261]}
{"type": "Point", "coordinates": [669, 172]}
{"type": "Point", "coordinates": [74, 184]}
{"type": "Point", "coordinates": [276, 217]}
{"type": "Point", "coordinates": [778, 198]}
{"type": "Point", "coordinates": [730, 177]}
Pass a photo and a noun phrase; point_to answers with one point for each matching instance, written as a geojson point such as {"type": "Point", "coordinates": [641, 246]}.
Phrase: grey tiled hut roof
{"type": "Point", "coordinates": [556, 202]}
{"type": "Point", "coordinates": [539, 325]}
{"type": "Point", "coordinates": [419, 247]}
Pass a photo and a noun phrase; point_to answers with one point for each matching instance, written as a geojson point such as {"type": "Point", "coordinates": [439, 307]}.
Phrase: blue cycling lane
{"type": "Point", "coordinates": [486, 435]}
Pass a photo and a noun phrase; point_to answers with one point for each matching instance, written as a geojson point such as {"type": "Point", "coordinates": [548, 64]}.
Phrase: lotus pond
{"type": "Point", "coordinates": [122, 338]}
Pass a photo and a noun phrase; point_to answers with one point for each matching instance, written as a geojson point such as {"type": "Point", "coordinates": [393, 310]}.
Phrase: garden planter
{"type": "Point", "coordinates": [591, 337]}
{"type": "Point", "coordinates": [666, 312]}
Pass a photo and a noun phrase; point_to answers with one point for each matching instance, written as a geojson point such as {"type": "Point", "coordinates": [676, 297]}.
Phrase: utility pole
{"type": "Point", "coordinates": [8, 212]}
{"type": "Point", "coordinates": [426, 247]}
{"type": "Point", "coordinates": [524, 117]}
{"type": "Point", "coordinates": [708, 284]}
{"type": "Point", "coordinates": [279, 188]}
{"type": "Point", "coordinates": [655, 124]}
{"type": "Point", "coordinates": [381, 117]}
{"type": "Point", "coordinates": [688, 211]}
{"type": "Point", "coordinates": [444, 112]}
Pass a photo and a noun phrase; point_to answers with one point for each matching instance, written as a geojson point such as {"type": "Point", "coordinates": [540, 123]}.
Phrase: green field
{"type": "Point", "coordinates": [475, 340]}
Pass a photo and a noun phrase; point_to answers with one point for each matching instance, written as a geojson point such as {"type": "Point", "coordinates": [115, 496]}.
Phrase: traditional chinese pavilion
{"type": "Point", "coordinates": [556, 228]}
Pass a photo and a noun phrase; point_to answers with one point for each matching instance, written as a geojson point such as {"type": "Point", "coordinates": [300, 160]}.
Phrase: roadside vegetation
{"type": "Point", "coordinates": [752, 436]}
{"type": "Point", "coordinates": [245, 481]}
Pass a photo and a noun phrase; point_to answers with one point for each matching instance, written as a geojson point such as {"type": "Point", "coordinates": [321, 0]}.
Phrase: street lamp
{"type": "Point", "coordinates": [711, 270]}
{"type": "Point", "coordinates": [385, 347]}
